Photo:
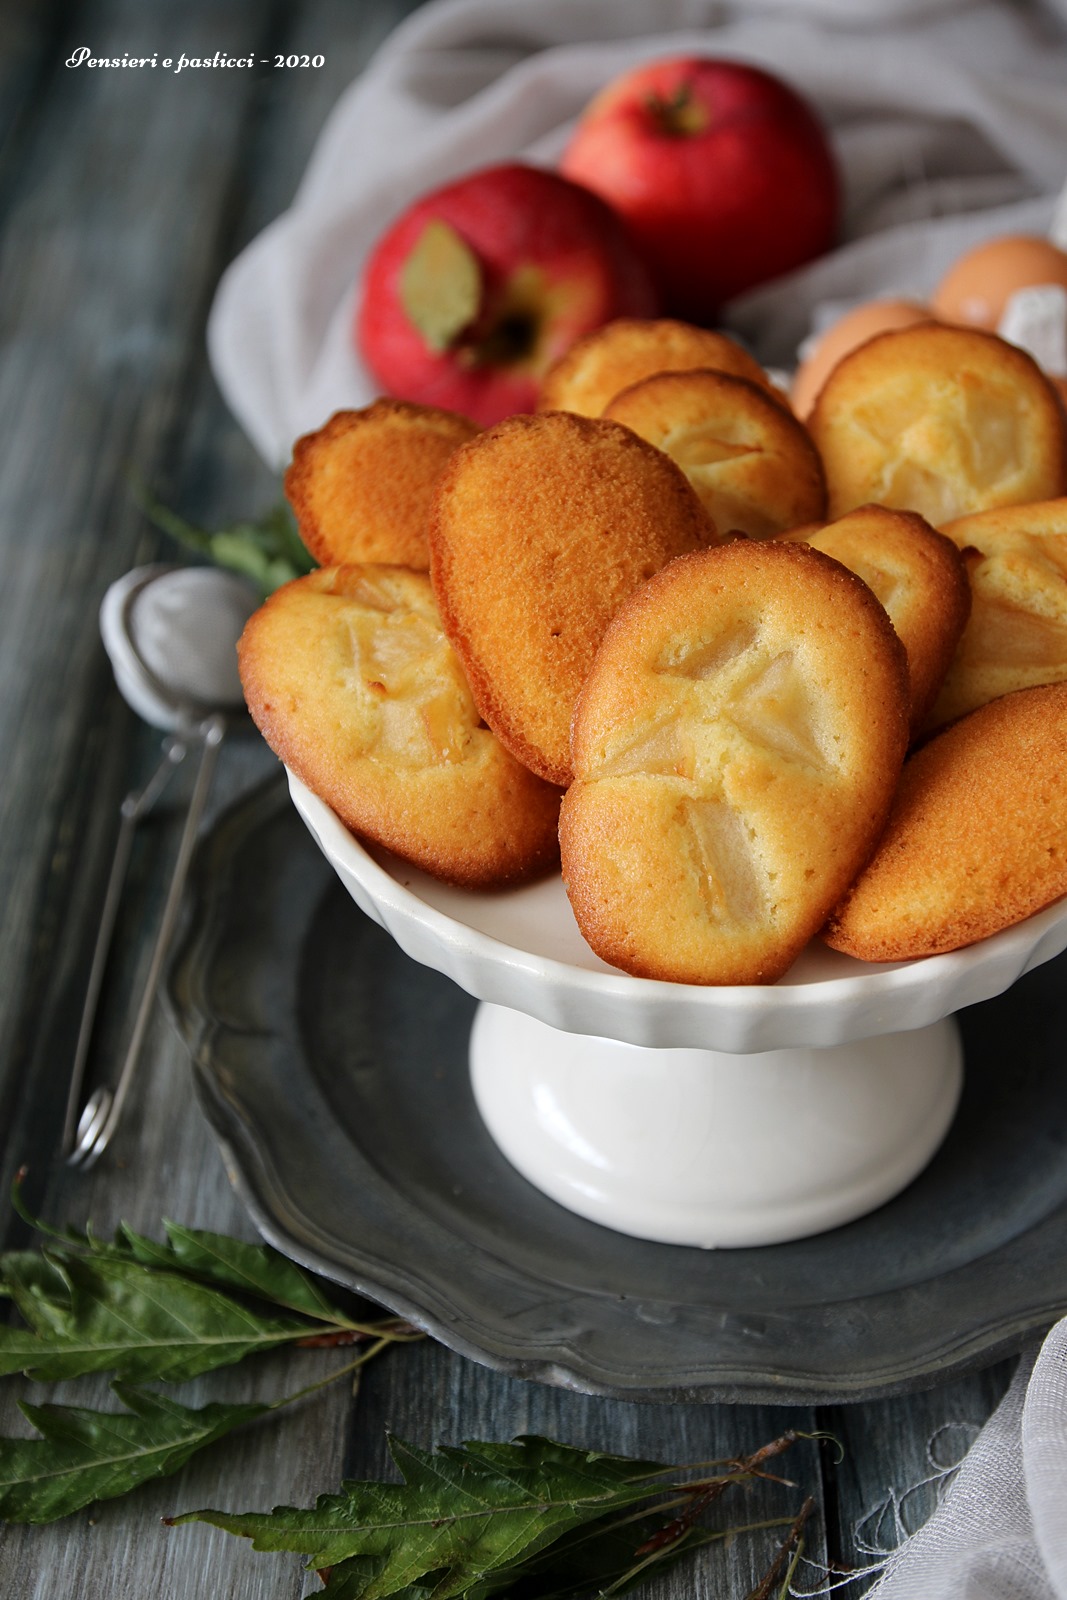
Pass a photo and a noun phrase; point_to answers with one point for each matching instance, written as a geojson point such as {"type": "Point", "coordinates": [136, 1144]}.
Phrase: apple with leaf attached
{"type": "Point", "coordinates": [479, 286]}
{"type": "Point", "coordinates": [722, 173]}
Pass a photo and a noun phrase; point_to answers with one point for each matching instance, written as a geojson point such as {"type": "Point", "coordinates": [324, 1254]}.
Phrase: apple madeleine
{"type": "Point", "coordinates": [1017, 634]}
{"type": "Point", "coordinates": [736, 748]}
{"type": "Point", "coordinates": [977, 838]}
{"type": "Point", "coordinates": [541, 527]}
{"type": "Point", "coordinates": [361, 485]}
{"type": "Point", "coordinates": [920, 578]}
{"type": "Point", "coordinates": [602, 363]}
{"type": "Point", "coordinates": [940, 420]}
{"type": "Point", "coordinates": [830, 346]}
{"type": "Point", "coordinates": [352, 682]}
{"type": "Point", "coordinates": [748, 458]}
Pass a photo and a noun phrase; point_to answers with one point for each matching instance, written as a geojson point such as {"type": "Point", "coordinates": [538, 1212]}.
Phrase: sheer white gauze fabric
{"type": "Point", "coordinates": [950, 121]}
{"type": "Point", "coordinates": [1000, 1533]}
{"type": "Point", "coordinates": [949, 118]}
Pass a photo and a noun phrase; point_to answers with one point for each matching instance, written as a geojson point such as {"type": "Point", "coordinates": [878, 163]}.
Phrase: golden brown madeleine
{"type": "Point", "coordinates": [361, 485]}
{"type": "Point", "coordinates": [943, 421]}
{"type": "Point", "coordinates": [748, 458]}
{"type": "Point", "coordinates": [598, 366]}
{"type": "Point", "coordinates": [736, 748]}
{"type": "Point", "coordinates": [854, 328]}
{"type": "Point", "coordinates": [1017, 634]}
{"type": "Point", "coordinates": [352, 682]}
{"type": "Point", "coordinates": [541, 528]}
{"type": "Point", "coordinates": [977, 838]}
{"type": "Point", "coordinates": [918, 575]}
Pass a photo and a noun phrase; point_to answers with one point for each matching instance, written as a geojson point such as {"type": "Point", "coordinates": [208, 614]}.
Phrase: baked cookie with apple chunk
{"type": "Point", "coordinates": [352, 682]}
{"type": "Point", "coordinates": [977, 838]}
{"type": "Point", "coordinates": [361, 485]}
{"type": "Point", "coordinates": [919, 576]}
{"type": "Point", "coordinates": [596, 367]}
{"type": "Point", "coordinates": [541, 527]}
{"type": "Point", "coordinates": [736, 747]}
{"type": "Point", "coordinates": [1017, 634]}
{"type": "Point", "coordinates": [748, 458]}
{"type": "Point", "coordinates": [941, 420]}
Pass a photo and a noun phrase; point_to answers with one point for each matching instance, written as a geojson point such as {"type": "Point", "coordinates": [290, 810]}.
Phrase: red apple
{"type": "Point", "coordinates": [722, 173]}
{"type": "Point", "coordinates": [476, 289]}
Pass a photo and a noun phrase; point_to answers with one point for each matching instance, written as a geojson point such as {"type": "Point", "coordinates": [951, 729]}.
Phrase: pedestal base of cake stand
{"type": "Point", "coordinates": [701, 1147]}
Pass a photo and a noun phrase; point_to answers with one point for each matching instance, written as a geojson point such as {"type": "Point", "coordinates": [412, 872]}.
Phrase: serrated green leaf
{"type": "Point", "coordinates": [581, 1563]}
{"type": "Point", "coordinates": [461, 1514]}
{"type": "Point", "coordinates": [234, 1264]}
{"type": "Point", "coordinates": [217, 1258]}
{"type": "Point", "coordinates": [83, 1456]}
{"type": "Point", "coordinates": [108, 1314]}
{"type": "Point", "coordinates": [41, 1290]}
{"type": "Point", "coordinates": [267, 549]}
{"type": "Point", "coordinates": [349, 1580]}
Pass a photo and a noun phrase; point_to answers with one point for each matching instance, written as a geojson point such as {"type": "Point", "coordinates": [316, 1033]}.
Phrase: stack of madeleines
{"type": "Point", "coordinates": [665, 632]}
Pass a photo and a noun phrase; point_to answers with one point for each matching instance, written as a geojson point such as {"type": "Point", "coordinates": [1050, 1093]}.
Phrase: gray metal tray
{"type": "Point", "coordinates": [334, 1073]}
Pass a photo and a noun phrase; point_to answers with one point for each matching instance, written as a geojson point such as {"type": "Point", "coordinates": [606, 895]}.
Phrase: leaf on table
{"type": "Point", "coordinates": [108, 1314]}
{"type": "Point", "coordinates": [83, 1456]}
{"type": "Point", "coordinates": [234, 1264]}
{"type": "Point", "coordinates": [266, 549]}
{"type": "Point", "coordinates": [462, 1514]}
{"type": "Point", "coordinates": [596, 1559]}
{"type": "Point", "coordinates": [590, 1560]}
{"type": "Point", "coordinates": [349, 1580]}
{"type": "Point", "coordinates": [40, 1289]}
{"type": "Point", "coordinates": [228, 1263]}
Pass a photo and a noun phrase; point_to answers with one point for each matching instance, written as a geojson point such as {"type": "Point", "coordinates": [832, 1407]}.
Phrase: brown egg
{"type": "Point", "coordinates": [854, 328]}
{"type": "Point", "coordinates": [979, 285]}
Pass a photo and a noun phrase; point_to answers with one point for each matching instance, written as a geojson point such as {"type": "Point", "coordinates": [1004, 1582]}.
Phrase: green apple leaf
{"type": "Point", "coordinates": [461, 1515]}
{"type": "Point", "coordinates": [441, 285]}
{"type": "Point", "coordinates": [84, 1455]}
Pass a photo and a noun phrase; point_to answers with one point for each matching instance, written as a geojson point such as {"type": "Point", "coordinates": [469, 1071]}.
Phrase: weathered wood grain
{"type": "Point", "coordinates": [128, 200]}
{"type": "Point", "coordinates": [131, 195]}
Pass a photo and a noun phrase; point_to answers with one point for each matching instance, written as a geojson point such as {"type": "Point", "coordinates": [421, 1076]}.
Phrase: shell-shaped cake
{"type": "Point", "coordinates": [1017, 634]}
{"type": "Point", "coordinates": [736, 748]}
{"type": "Point", "coordinates": [919, 576]}
{"type": "Point", "coordinates": [940, 420]}
{"type": "Point", "coordinates": [541, 528]}
{"type": "Point", "coordinates": [977, 838]}
{"type": "Point", "coordinates": [602, 363]}
{"type": "Point", "coordinates": [361, 485]}
{"type": "Point", "coordinates": [746, 455]}
{"type": "Point", "coordinates": [352, 682]}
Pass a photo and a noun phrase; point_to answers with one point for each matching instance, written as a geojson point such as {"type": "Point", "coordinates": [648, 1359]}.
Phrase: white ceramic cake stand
{"type": "Point", "coordinates": [697, 1116]}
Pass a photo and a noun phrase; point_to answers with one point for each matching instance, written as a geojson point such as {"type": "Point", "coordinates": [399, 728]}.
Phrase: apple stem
{"type": "Point", "coordinates": [679, 116]}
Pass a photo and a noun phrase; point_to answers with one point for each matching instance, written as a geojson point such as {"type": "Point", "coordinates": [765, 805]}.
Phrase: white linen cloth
{"type": "Point", "coordinates": [1000, 1532]}
{"type": "Point", "coordinates": [950, 121]}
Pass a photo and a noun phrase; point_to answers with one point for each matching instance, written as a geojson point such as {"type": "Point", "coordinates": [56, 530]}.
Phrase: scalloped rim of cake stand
{"type": "Point", "coordinates": [826, 999]}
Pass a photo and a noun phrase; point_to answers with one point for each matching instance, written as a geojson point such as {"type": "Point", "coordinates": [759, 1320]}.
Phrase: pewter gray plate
{"type": "Point", "coordinates": [334, 1073]}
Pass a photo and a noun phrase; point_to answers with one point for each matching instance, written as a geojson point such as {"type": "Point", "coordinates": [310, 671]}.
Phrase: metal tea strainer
{"type": "Point", "coordinates": [170, 633]}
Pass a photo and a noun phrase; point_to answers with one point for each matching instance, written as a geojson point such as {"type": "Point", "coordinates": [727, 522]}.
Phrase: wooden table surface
{"type": "Point", "coordinates": [123, 195]}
